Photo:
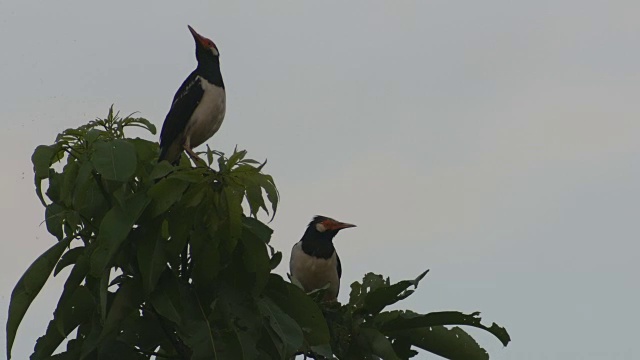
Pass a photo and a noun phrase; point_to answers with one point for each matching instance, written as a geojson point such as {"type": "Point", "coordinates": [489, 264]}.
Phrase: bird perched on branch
{"type": "Point", "coordinates": [198, 106]}
{"type": "Point", "coordinates": [314, 261]}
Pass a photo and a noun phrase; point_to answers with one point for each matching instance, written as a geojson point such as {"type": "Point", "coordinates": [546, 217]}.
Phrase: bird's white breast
{"type": "Point", "coordinates": [314, 273]}
{"type": "Point", "coordinates": [209, 113]}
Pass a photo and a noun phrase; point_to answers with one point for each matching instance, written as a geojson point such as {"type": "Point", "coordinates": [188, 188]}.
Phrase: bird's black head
{"type": "Point", "coordinates": [318, 238]}
{"type": "Point", "coordinates": [206, 50]}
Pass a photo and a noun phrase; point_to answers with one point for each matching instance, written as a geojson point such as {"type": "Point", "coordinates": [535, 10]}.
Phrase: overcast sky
{"type": "Point", "coordinates": [493, 142]}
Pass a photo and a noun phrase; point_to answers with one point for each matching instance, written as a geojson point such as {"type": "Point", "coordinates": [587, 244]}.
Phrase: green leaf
{"type": "Point", "coordinates": [54, 217]}
{"type": "Point", "coordinates": [76, 311]}
{"type": "Point", "coordinates": [151, 257]}
{"type": "Point", "coordinates": [114, 349]}
{"type": "Point", "coordinates": [93, 135]}
{"type": "Point", "coordinates": [359, 292]}
{"type": "Point", "coordinates": [257, 228]}
{"type": "Point", "coordinates": [70, 257]}
{"type": "Point", "coordinates": [377, 343]}
{"type": "Point", "coordinates": [166, 193]}
{"type": "Point", "coordinates": [287, 329]}
{"type": "Point", "coordinates": [161, 169]}
{"type": "Point", "coordinates": [166, 298]}
{"type": "Point", "coordinates": [103, 292]}
{"type": "Point", "coordinates": [70, 174]}
{"type": "Point", "coordinates": [143, 331]}
{"type": "Point", "coordinates": [140, 122]}
{"type": "Point", "coordinates": [41, 159]}
{"type": "Point", "coordinates": [115, 227]}
{"type": "Point", "coordinates": [266, 181]}
{"type": "Point", "coordinates": [234, 208]}
{"type": "Point", "coordinates": [256, 261]}
{"type": "Point", "coordinates": [77, 275]}
{"type": "Point", "coordinates": [384, 296]}
{"type": "Point", "coordinates": [402, 347]}
{"type": "Point", "coordinates": [205, 259]}
{"type": "Point", "coordinates": [239, 313]}
{"type": "Point", "coordinates": [301, 308]}
{"type": "Point", "coordinates": [235, 158]}
{"type": "Point", "coordinates": [29, 286]}
{"type": "Point", "coordinates": [452, 343]}
{"type": "Point", "coordinates": [254, 197]}
{"type": "Point", "coordinates": [408, 320]}
{"type": "Point", "coordinates": [125, 303]}
{"type": "Point", "coordinates": [88, 199]}
{"type": "Point", "coordinates": [115, 160]}
{"type": "Point", "coordinates": [275, 260]}
{"type": "Point", "coordinates": [147, 152]}
{"type": "Point", "coordinates": [195, 329]}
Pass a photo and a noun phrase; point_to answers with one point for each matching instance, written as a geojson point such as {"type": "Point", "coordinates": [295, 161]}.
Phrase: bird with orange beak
{"type": "Point", "coordinates": [314, 261]}
{"type": "Point", "coordinates": [198, 106]}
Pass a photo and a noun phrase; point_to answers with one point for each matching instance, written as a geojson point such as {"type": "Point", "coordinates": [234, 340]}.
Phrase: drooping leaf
{"type": "Point", "coordinates": [409, 320]}
{"type": "Point", "coordinates": [267, 183]}
{"type": "Point", "coordinates": [454, 343]}
{"type": "Point", "coordinates": [41, 159]}
{"type": "Point", "coordinates": [29, 286]}
{"type": "Point", "coordinates": [140, 122]}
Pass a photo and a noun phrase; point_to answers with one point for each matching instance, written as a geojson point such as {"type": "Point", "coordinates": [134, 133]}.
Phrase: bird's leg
{"type": "Point", "coordinates": [196, 159]}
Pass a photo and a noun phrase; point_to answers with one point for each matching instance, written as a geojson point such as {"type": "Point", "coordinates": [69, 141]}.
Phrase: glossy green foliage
{"type": "Point", "coordinates": [172, 262]}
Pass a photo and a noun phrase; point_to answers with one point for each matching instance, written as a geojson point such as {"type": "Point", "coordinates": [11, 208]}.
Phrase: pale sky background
{"type": "Point", "coordinates": [496, 143]}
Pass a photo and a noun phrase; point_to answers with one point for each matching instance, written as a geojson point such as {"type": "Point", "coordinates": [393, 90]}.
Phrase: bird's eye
{"type": "Point", "coordinates": [320, 227]}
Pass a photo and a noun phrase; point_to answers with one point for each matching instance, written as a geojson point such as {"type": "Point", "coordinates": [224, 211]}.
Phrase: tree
{"type": "Point", "coordinates": [166, 263]}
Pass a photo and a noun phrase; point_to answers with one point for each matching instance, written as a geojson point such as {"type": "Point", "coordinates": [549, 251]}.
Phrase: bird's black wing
{"type": "Point", "coordinates": [339, 272]}
{"type": "Point", "coordinates": [184, 104]}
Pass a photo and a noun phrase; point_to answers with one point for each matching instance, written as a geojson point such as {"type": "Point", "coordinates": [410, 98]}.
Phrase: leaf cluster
{"type": "Point", "coordinates": [172, 262]}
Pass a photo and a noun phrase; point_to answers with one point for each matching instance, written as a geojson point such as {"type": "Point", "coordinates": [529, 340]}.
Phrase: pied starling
{"type": "Point", "coordinates": [198, 106]}
{"type": "Point", "coordinates": [314, 261]}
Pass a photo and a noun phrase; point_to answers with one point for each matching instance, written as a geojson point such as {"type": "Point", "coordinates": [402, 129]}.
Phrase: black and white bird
{"type": "Point", "coordinates": [198, 106]}
{"type": "Point", "coordinates": [314, 261]}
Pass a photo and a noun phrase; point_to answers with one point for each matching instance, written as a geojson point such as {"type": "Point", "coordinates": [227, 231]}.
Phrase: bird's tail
{"type": "Point", "coordinates": [170, 154]}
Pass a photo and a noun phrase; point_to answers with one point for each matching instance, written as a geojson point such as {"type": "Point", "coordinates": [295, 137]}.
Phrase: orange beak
{"type": "Point", "coordinates": [336, 225]}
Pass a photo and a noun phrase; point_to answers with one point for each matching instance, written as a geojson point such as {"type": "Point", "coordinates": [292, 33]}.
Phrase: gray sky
{"type": "Point", "coordinates": [494, 142]}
